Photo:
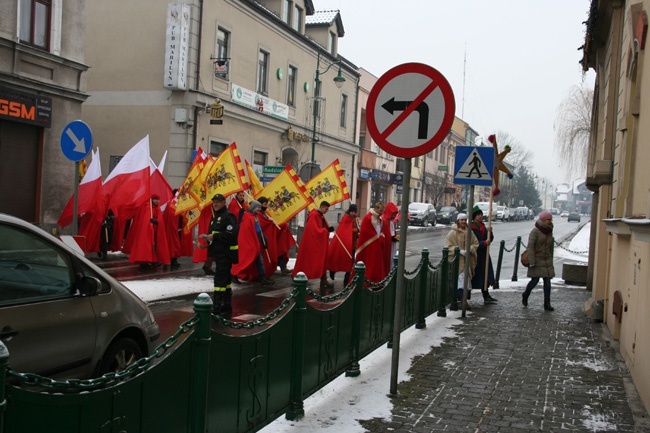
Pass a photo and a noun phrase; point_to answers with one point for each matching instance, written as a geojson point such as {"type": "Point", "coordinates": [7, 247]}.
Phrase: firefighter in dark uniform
{"type": "Point", "coordinates": [222, 236]}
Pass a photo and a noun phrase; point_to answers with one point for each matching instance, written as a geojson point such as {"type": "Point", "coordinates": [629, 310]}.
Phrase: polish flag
{"type": "Point", "coordinates": [127, 186]}
{"type": "Point", "coordinates": [88, 189]}
{"type": "Point", "coordinates": [158, 184]}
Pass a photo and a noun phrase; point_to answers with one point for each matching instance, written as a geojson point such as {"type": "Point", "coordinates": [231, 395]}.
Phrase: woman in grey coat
{"type": "Point", "coordinates": [540, 257]}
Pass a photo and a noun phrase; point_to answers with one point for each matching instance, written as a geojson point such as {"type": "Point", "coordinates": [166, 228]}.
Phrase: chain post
{"type": "Point", "coordinates": [502, 246]}
{"type": "Point", "coordinates": [201, 368]}
{"type": "Point", "coordinates": [296, 406]}
{"type": "Point", "coordinates": [4, 366]}
{"type": "Point", "coordinates": [444, 286]}
{"type": "Point", "coordinates": [453, 281]}
{"type": "Point", "coordinates": [354, 369]}
{"type": "Point", "coordinates": [515, 268]}
{"type": "Point", "coordinates": [420, 323]}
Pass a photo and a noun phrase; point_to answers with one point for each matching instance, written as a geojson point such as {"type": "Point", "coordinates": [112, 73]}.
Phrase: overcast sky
{"type": "Point", "coordinates": [510, 62]}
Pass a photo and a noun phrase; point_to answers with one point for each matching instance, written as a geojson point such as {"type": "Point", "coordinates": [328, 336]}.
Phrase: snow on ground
{"type": "Point", "coordinates": [578, 249]}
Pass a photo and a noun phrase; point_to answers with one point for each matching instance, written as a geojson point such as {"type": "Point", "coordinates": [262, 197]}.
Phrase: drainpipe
{"type": "Point", "coordinates": [197, 75]}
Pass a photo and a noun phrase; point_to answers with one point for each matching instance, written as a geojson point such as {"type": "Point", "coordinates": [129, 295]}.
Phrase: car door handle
{"type": "Point", "coordinates": [8, 332]}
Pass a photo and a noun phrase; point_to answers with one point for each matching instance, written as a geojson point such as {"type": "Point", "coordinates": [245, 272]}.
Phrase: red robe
{"type": "Point", "coordinates": [201, 254]}
{"type": "Point", "coordinates": [235, 207]}
{"type": "Point", "coordinates": [285, 241]}
{"type": "Point", "coordinates": [249, 249]}
{"type": "Point", "coordinates": [172, 231]}
{"type": "Point", "coordinates": [90, 228]}
{"type": "Point", "coordinates": [341, 250]}
{"type": "Point", "coordinates": [313, 247]}
{"type": "Point", "coordinates": [371, 250]}
{"type": "Point", "coordinates": [148, 241]}
{"type": "Point", "coordinates": [388, 242]}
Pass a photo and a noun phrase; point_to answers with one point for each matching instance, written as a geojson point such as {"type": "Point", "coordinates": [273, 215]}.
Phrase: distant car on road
{"type": "Point", "coordinates": [573, 216]}
{"type": "Point", "coordinates": [485, 206]}
{"type": "Point", "coordinates": [503, 213]}
{"type": "Point", "coordinates": [447, 214]}
{"type": "Point", "coordinates": [422, 213]}
{"type": "Point", "coordinates": [564, 214]}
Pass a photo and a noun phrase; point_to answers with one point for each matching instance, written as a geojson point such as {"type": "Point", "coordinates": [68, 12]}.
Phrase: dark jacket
{"type": "Point", "coordinates": [540, 252]}
{"type": "Point", "coordinates": [223, 228]}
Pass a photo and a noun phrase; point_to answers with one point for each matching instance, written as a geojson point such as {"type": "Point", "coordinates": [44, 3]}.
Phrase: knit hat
{"type": "Point", "coordinates": [352, 208]}
{"type": "Point", "coordinates": [476, 211]}
{"type": "Point", "coordinates": [254, 205]}
{"type": "Point", "coordinates": [545, 215]}
{"type": "Point", "coordinates": [461, 216]}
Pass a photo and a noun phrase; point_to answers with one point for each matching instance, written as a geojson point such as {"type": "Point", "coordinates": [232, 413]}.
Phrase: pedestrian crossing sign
{"type": "Point", "coordinates": [474, 165]}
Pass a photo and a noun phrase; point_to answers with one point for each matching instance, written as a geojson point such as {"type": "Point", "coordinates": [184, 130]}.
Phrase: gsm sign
{"type": "Point", "coordinates": [17, 109]}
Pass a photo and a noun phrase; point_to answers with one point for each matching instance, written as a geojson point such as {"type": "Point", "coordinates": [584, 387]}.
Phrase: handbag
{"type": "Point", "coordinates": [524, 259]}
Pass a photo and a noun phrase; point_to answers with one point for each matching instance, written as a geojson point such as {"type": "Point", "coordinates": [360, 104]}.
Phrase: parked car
{"type": "Point", "coordinates": [422, 213]}
{"type": "Point", "coordinates": [564, 214]}
{"type": "Point", "coordinates": [446, 214]}
{"type": "Point", "coordinates": [573, 216]}
{"type": "Point", "coordinates": [503, 213]}
{"type": "Point", "coordinates": [513, 214]}
{"type": "Point", "coordinates": [522, 213]}
{"type": "Point", "coordinates": [61, 316]}
{"type": "Point", "coordinates": [484, 206]}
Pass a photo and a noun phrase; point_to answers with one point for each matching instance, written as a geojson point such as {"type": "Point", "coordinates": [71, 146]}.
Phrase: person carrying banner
{"type": "Point", "coordinates": [371, 244]}
{"type": "Point", "coordinates": [238, 205]}
{"type": "Point", "coordinates": [312, 252]}
{"type": "Point", "coordinates": [340, 255]}
{"type": "Point", "coordinates": [253, 246]}
{"type": "Point", "coordinates": [147, 236]}
{"type": "Point", "coordinates": [271, 231]}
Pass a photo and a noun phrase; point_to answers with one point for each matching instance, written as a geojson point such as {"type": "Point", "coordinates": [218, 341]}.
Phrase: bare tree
{"type": "Point", "coordinates": [519, 156]}
{"type": "Point", "coordinates": [572, 128]}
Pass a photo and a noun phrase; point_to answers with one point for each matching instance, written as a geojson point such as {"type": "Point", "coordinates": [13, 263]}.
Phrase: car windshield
{"type": "Point", "coordinates": [417, 206]}
{"type": "Point", "coordinates": [447, 209]}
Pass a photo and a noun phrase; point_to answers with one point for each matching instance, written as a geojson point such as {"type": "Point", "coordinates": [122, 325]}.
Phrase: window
{"type": "Point", "coordinates": [344, 110]}
{"type": "Point", "coordinates": [262, 72]}
{"type": "Point", "coordinates": [260, 158]}
{"type": "Point", "coordinates": [331, 43]}
{"type": "Point", "coordinates": [223, 41]}
{"type": "Point", "coordinates": [297, 18]}
{"type": "Point", "coordinates": [35, 20]}
{"type": "Point", "coordinates": [291, 86]}
{"type": "Point", "coordinates": [417, 161]}
{"type": "Point", "coordinates": [286, 11]}
{"type": "Point", "coordinates": [217, 148]}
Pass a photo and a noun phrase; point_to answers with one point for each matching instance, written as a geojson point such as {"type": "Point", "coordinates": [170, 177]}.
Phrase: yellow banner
{"type": "Point", "coordinates": [287, 196]}
{"type": "Point", "coordinates": [226, 175]}
{"type": "Point", "coordinates": [197, 189]}
{"type": "Point", "coordinates": [254, 181]}
{"type": "Point", "coordinates": [186, 198]}
{"type": "Point", "coordinates": [328, 185]}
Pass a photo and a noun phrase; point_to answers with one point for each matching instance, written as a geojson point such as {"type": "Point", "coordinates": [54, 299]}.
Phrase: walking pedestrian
{"type": "Point", "coordinates": [312, 252]}
{"type": "Point", "coordinates": [254, 246]}
{"type": "Point", "coordinates": [485, 238]}
{"type": "Point", "coordinates": [457, 237]}
{"type": "Point", "coordinates": [340, 255]}
{"type": "Point", "coordinates": [540, 258]}
{"type": "Point", "coordinates": [222, 236]}
{"type": "Point", "coordinates": [371, 244]}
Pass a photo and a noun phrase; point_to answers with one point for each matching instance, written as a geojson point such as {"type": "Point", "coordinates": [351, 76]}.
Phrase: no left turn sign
{"type": "Point", "coordinates": [410, 110]}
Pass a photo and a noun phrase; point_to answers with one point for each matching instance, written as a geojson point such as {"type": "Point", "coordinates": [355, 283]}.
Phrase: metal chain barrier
{"type": "Point", "coordinates": [262, 320]}
{"type": "Point", "coordinates": [568, 249]}
{"type": "Point", "coordinates": [108, 379]}
{"type": "Point", "coordinates": [382, 283]}
{"type": "Point", "coordinates": [329, 298]}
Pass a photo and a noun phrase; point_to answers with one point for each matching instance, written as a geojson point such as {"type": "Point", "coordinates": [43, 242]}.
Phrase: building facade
{"type": "Point", "coordinates": [617, 174]}
{"type": "Point", "coordinates": [42, 87]}
{"type": "Point", "coordinates": [168, 70]}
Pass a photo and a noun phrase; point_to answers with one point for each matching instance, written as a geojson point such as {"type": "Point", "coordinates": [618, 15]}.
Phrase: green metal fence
{"type": "Point", "coordinates": [230, 376]}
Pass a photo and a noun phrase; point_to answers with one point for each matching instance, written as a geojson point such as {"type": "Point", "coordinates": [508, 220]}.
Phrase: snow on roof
{"type": "Point", "coordinates": [322, 17]}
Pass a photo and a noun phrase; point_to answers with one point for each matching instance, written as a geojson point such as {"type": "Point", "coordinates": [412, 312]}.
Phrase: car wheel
{"type": "Point", "coordinates": [119, 355]}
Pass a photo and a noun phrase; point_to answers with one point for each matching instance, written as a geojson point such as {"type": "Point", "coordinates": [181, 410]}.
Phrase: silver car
{"type": "Point", "coordinates": [60, 315]}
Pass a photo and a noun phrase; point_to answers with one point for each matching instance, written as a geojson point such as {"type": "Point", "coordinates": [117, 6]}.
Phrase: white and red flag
{"type": "Point", "coordinates": [88, 189]}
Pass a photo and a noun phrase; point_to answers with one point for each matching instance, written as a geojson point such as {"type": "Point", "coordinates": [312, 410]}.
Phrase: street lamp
{"type": "Point", "coordinates": [338, 80]}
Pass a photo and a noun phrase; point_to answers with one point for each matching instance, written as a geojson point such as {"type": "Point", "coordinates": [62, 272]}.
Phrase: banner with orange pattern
{"type": "Point", "coordinates": [287, 196]}
{"type": "Point", "coordinates": [226, 175]}
{"type": "Point", "coordinates": [186, 198]}
{"type": "Point", "coordinates": [328, 185]}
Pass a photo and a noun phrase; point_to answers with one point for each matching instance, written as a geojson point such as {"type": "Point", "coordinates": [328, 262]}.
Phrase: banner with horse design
{"type": "Point", "coordinates": [186, 199]}
{"type": "Point", "coordinates": [287, 196]}
{"type": "Point", "coordinates": [226, 175]}
{"type": "Point", "coordinates": [254, 181]}
{"type": "Point", "coordinates": [328, 185]}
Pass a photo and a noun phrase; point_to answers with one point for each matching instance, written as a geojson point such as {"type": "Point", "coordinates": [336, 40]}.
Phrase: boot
{"type": "Point", "coordinates": [466, 305]}
{"type": "Point", "coordinates": [547, 305]}
{"type": "Point", "coordinates": [226, 309]}
{"type": "Point", "coordinates": [207, 267]}
{"type": "Point", "coordinates": [217, 302]}
{"type": "Point", "coordinates": [524, 299]}
{"type": "Point", "coordinates": [324, 284]}
{"type": "Point", "coordinates": [175, 264]}
{"type": "Point", "coordinates": [266, 282]}
{"type": "Point", "coordinates": [487, 299]}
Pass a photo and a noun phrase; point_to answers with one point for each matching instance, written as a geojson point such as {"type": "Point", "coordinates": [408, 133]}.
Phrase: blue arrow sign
{"type": "Point", "coordinates": [474, 166]}
{"type": "Point", "coordinates": [76, 140]}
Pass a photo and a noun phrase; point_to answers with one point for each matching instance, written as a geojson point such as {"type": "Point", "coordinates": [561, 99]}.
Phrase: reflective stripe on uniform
{"type": "Point", "coordinates": [220, 289]}
{"type": "Point", "coordinates": [234, 247]}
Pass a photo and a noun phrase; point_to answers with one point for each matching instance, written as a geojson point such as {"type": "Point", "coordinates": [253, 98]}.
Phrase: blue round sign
{"type": "Point", "coordinates": [76, 140]}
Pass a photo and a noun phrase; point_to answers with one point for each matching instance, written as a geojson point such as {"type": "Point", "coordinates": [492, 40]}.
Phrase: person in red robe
{"type": "Point", "coordinates": [253, 246]}
{"type": "Point", "coordinates": [271, 232]}
{"type": "Point", "coordinates": [313, 246]}
{"type": "Point", "coordinates": [340, 255]}
{"type": "Point", "coordinates": [148, 238]}
{"type": "Point", "coordinates": [390, 235]}
{"type": "Point", "coordinates": [238, 205]}
{"type": "Point", "coordinates": [201, 250]}
{"type": "Point", "coordinates": [371, 244]}
{"type": "Point", "coordinates": [173, 232]}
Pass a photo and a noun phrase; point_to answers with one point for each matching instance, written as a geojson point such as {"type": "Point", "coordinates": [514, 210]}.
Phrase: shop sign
{"type": "Point", "coordinates": [260, 103]}
{"type": "Point", "coordinates": [380, 175]}
{"type": "Point", "coordinates": [25, 107]}
{"type": "Point", "coordinates": [364, 173]}
{"type": "Point", "coordinates": [176, 46]}
{"type": "Point", "coordinates": [296, 136]}
{"type": "Point", "coordinates": [216, 112]}
{"type": "Point", "coordinates": [396, 179]}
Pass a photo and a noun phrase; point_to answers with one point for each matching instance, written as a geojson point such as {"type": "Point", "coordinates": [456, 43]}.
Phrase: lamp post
{"type": "Point", "coordinates": [338, 80]}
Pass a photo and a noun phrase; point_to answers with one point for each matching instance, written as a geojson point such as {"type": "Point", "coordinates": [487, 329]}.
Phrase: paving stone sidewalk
{"type": "Point", "coordinates": [517, 369]}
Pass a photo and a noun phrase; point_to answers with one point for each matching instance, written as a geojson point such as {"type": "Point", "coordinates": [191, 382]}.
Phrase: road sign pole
{"type": "Point", "coordinates": [468, 246]}
{"type": "Point", "coordinates": [75, 208]}
{"type": "Point", "coordinates": [401, 264]}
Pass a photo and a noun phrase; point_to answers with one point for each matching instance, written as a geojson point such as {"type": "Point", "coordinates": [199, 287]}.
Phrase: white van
{"type": "Point", "coordinates": [484, 206]}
